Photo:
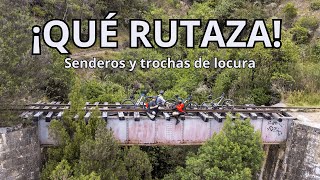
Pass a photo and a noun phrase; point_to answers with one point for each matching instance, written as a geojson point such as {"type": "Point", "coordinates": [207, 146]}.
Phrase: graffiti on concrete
{"type": "Point", "coordinates": [275, 126]}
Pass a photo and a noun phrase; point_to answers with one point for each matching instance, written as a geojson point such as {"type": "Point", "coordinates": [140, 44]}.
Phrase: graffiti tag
{"type": "Point", "coordinates": [275, 126]}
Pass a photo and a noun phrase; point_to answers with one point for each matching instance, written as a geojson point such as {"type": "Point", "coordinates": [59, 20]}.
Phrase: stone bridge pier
{"type": "Point", "coordinates": [20, 154]}
{"type": "Point", "coordinates": [299, 157]}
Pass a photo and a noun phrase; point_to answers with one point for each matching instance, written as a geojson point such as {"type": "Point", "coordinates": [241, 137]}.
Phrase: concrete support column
{"type": "Point", "coordinates": [20, 155]}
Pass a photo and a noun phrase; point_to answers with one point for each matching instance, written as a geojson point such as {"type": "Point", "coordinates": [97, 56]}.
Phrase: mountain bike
{"type": "Point", "coordinates": [140, 102]}
{"type": "Point", "coordinates": [189, 104]}
{"type": "Point", "coordinates": [220, 101]}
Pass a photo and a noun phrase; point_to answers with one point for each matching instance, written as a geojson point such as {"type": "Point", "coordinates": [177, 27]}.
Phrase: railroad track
{"type": "Point", "coordinates": [55, 110]}
{"type": "Point", "coordinates": [234, 110]}
{"type": "Point", "coordinates": [131, 108]}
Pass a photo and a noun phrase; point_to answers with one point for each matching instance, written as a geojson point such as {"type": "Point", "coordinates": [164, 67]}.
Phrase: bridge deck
{"type": "Point", "coordinates": [132, 125]}
{"type": "Point", "coordinates": [191, 131]}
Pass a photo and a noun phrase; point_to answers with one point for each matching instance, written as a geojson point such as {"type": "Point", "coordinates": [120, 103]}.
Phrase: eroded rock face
{"type": "Point", "coordinates": [302, 157]}
{"type": "Point", "coordinates": [299, 158]}
{"type": "Point", "coordinates": [20, 156]}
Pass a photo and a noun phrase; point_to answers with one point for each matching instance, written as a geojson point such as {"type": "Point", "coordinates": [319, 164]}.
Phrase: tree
{"type": "Point", "coordinates": [165, 159]}
{"type": "Point", "coordinates": [235, 153]}
{"type": "Point", "coordinates": [136, 164]}
{"type": "Point", "coordinates": [62, 171]}
{"type": "Point", "coordinates": [24, 77]}
{"type": "Point", "coordinates": [102, 155]}
{"type": "Point", "coordinates": [88, 150]}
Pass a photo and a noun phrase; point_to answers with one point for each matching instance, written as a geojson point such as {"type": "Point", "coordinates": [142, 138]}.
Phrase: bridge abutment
{"type": "Point", "coordinates": [20, 154]}
{"type": "Point", "coordinates": [298, 158]}
{"type": "Point", "coordinates": [302, 154]}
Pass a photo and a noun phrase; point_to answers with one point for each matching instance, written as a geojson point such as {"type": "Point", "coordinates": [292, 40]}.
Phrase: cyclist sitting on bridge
{"type": "Point", "coordinates": [160, 100]}
{"type": "Point", "coordinates": [153, 108]}
{"type": "Point", "coordinates": [179, 111]}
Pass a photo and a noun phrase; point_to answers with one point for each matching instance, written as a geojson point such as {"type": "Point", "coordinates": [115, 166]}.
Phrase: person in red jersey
{"type": "Point", "coordinates": [179, 110]}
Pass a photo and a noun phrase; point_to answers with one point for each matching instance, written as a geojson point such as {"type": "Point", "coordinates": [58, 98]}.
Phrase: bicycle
{"type": "Point", "coordinates": [187, 102]}
{"type": "Point", "coordinates": [220, 101]}
{"type": "Point", "coordinates": [141, 101]}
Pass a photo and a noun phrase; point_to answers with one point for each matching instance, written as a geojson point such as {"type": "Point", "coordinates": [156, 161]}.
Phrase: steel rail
{"type": "Point", "coordinates": [115, 105]}
{"type": "Point", "coordinates": [163, 110]}
{"type": "Point", "coordinates": [132, 108]}
{"type": "Point", "coordinates": [276, 107]}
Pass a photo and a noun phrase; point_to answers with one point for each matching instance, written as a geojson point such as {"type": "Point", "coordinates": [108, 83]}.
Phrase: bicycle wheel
{"type": "Point", "coordinates": [228, 103]}
{"type": "Point", "coordinates": [127, 103]}
{"type": "Point", "coordinates": [205, 105]}
{"type": "Point", "coordinates": [192, 105]}
{"type": "Point", "coordinates": [170, 103]}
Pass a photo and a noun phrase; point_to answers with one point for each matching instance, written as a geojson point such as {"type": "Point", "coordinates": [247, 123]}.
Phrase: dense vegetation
{"type": "Point", "coordinates": [235, 153]}
{"type": "Point", "coordinates": [290, 74]}
{"type": "Point", "coordinates": [89, 151]}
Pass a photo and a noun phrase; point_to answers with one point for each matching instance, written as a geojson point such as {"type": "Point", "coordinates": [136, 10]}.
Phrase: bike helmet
{"type": "Point", "coordinates": [161, 92]}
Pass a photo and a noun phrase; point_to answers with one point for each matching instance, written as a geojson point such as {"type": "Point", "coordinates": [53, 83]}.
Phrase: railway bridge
{"type": "Point", "coordinates": [133, 125]}
{"type": "Point", "coordinates": [296, 157]}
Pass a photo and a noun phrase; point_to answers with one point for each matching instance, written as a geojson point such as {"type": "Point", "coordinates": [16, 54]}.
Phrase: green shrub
{"type": "Point", "coordinates": [93, 89]}
{"type": "Point", "coordinates": [170, 94]}
{"type": "Point", "coordinates": [38, 11]}
{"type": "Point", "coordinates": [261, 96]}
{"type": "Point", "coordinates": [311, 22]}
{"type": "Point", "coordinates": [307, 76]}
{"type": "Point", "coordinates": [315, 5]}
{"type": "Point", "coordinates": [300, 34]}
{"type": "Point", "coordinates": [302, 98]}
{"type": "Point", "coordinates": [275, 97]}
{"type": "Point", "coordinates": [290, 12]}
{"type": "Point", "coordinates": [224, 81]}
{"type": "Point", "coordinates": [282, 82]}
{"type": "Point", "coordinates": [316, 49]}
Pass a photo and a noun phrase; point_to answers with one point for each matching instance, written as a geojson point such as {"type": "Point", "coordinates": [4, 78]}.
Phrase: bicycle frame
{"type": "Point", "coordinates": [221, 99]}
{"type": "Point", "coordinates": [138, 102]}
